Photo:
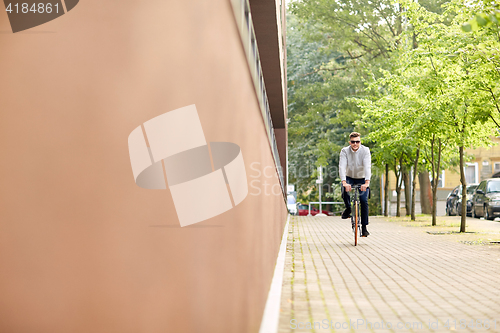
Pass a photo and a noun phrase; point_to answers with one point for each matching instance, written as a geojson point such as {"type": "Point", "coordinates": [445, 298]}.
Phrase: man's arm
{"type": "Point", "coordinates": [342, 165]}
{"type": "Point", "coordinates": [342, 169]}
{"type": "Point", "coordinates": [367, 164]}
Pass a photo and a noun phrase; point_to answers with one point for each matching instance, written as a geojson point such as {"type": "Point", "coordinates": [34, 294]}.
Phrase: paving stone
{"type": "Point", "coordinates": [398, 275]}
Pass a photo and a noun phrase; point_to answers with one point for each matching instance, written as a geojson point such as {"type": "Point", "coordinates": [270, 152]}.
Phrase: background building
{"type": "Point", "coordinates": [485, 163]}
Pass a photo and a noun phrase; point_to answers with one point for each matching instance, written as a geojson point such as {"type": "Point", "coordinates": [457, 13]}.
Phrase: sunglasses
{"type": "Point", "coordinates": [352, 141]}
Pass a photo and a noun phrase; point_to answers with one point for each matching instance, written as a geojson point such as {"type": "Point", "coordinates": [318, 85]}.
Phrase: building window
{"type": "Point", "coordinates": [496, 167]}
{"type": "Point", "coordinates": [440, 179]}
{"type": "Point", "coordinates": [471, 173]}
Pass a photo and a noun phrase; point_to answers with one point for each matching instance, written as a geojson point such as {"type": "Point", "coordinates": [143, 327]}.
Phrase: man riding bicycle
{"type": "Point", "coordinates": [355, 169]}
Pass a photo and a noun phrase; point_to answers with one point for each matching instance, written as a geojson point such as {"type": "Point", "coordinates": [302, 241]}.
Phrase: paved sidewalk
{"type": "Point", "coordinates": [399, 277]}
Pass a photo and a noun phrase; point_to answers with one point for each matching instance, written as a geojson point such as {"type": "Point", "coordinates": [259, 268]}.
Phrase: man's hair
{"type": "Point", "coordinates": [354, 135]}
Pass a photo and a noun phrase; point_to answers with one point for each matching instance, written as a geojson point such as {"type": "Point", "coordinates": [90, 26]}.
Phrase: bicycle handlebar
{"type": "Point", "coordinates": [357, 187]}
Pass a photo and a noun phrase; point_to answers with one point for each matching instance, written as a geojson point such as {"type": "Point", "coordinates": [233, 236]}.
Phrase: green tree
{"type": "Point", "coordinates": [333, 49]}
{"type": "Point", "coordinates": [320, 119]}
{"type": "Point", "coordinates": [441, 93]}
{"type": "Point", "coordinates": [329, 53]}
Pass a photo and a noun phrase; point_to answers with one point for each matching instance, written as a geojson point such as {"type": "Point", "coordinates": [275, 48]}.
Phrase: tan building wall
{"type": "Point", "coordinates": [487, 159]}
{"type": "Point", "coordinates": [82, 247]}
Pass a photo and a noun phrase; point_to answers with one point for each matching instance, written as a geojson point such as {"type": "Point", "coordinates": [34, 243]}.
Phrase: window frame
{"type": "Point", "coordinates": [476, 171]}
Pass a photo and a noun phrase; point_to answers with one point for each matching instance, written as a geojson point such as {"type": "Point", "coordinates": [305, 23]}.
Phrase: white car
{"type": "Point", "coordinates": [291, 204]}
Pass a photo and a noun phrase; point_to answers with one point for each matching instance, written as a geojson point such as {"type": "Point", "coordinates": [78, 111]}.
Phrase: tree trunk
{"type": "Point", "coordinates": [425, 192]}
{"type": "Point", "coordinates": [463, 181]}
{"type": "Point", "coordinates": [436, 166]}
{"type": "Point", "coordinates": [399, 183]}
{"type": "Point", "coordinates": [406, 180]}
{"type": "Point", "coordinates": [398, 202]}
{"type": "Point", "coordinates": [464, 190]}
{"type": "Point", "coordinates": [433, 182]}
{"type": "Point", "coordinates": [434, 200]}
{"type": "Point", "coordinates": [414, 183]}
{"type": "Point", "coordinates": [386, 191]}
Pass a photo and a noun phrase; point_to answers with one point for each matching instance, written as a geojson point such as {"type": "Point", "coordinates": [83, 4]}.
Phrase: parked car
{"type": "Point", "coordinates": [304, 210]}
{"type": "Point", "coordinates": [451, 201]}
{"type": "Point", "coordinates": [470, 192]}
{"type": "Point", "coordinates": [454, 200]}
{"type": "Point", "coordinates": [486, 199]}
{"type": "Point", "coordinates": [291, 204]}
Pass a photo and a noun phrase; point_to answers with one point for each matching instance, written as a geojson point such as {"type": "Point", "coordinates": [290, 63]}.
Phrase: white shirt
{"type": "Point", "coordinates": [355, 164]}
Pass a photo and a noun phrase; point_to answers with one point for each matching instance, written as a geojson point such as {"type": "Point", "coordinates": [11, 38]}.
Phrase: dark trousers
{"type": "Point", "coordinates": [363, 198]}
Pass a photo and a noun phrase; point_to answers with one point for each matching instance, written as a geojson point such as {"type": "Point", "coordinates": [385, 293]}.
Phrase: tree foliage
{"type": "Point", "coordinates": [441, 94]}
{"type": "Point", "coordinates": [419, 79]}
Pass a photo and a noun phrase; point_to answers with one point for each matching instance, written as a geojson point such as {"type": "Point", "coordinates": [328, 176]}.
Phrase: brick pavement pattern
{"type": "Point", "coordinates": [399, 277]}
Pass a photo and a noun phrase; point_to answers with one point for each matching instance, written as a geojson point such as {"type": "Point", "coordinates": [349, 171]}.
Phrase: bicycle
{"type": "Point", "coordinates": [356, 213]}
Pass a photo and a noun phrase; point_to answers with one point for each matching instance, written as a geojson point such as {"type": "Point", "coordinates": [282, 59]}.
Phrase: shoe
{"type": "Point", "coordinates": [364, 232]}
{"type": "Point", "coordinates": [346, 213]}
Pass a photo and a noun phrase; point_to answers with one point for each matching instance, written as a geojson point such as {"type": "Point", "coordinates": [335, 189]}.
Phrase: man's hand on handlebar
{"type": "Point", "coordinates": [362, 188]}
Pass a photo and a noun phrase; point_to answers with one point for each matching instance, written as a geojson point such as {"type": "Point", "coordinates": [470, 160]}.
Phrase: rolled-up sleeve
{"type": "Point", "coordinates": [367, 164]}
{"type": "Point", "coordinates": [342, 164]}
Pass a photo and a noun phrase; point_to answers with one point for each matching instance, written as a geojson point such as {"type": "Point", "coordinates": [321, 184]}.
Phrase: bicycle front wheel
{"type": "Point", "coordinates": [356, 221]}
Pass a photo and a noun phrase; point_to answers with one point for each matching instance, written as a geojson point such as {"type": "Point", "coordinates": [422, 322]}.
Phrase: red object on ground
{"type": "Point", "coordinates": [304, 210]}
